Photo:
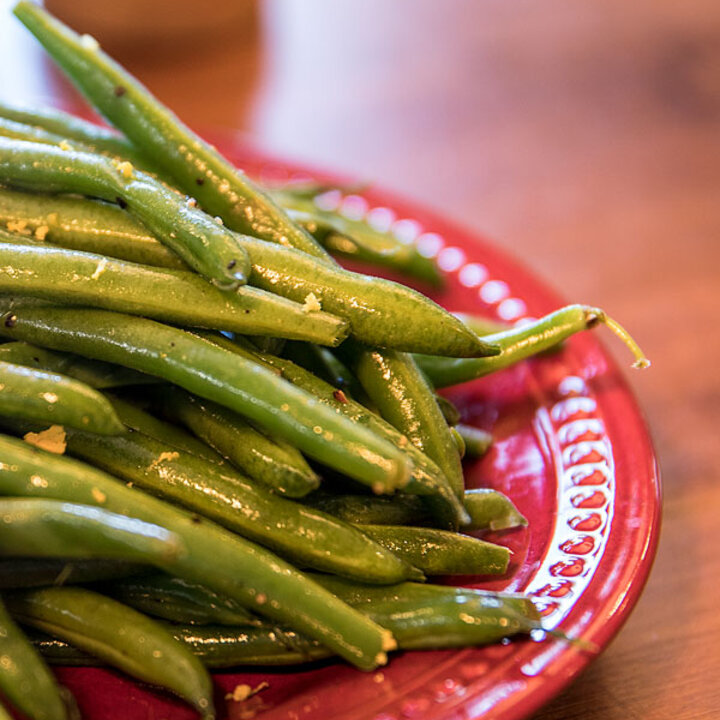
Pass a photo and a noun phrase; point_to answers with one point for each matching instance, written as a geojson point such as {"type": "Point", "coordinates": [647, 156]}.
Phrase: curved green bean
{"type": "Point", "coordinates": [438, 552]}
{"type": "Point", "coordinates": [25, 680]}
{"type": "Point", "coordinates": [522, 342]}
{"type": "Point", "coordinates": [176, 296]}
{"type": "Point", "coordinates": [202, 243]}
{"type": "Point", "coordinates": [215, 557]}
{"type": "Point", "coordinates": [209, 371]}
{"type": "Point", "coordinates": [196, 166]}
{"type": "Point", "coordinates": [305, 536]}
{"type": "Point", "coordinates": [57, 529]}
{"type": "Point", "coordinates": [272, 462]}
{"type": "Point", "coordinates": [78, 223]}
{"type": "Point", "coordinates": [39, 572]}
{"type": "Point", "coordinates": [51, 398]}
{"type": "Point", "coordinates": [120, 636]}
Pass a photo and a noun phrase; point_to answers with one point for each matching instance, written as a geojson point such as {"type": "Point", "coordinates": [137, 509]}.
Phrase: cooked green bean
{"type": "Point", "coordinates": [215, 557]}
{"type": "Point", "coordinates": [273, 462]}
{"type": "Point", "coordinates": [438, 552]}
{"type": "Point", "coordinates": [523, 342]}
{"type": "Point", "coordinates": [59, 124]}
{"type": "Point", "coordinates": [305, 536]}
{"type": "Point", "coordinates": [207, 370]}
{"type": "Point", "coordinates": [94, 373]}
{"type": "Point", "coordinates": [371, 509]}
{"type": "Point", "coordinates": [482, 325]}
{"type": "Point", "coordinates": [165, 432]}
{"type": "Point", "coordinates": [477, 442]}
{"type": "Point", "coordinates": [356, 239]}
{"type": "Point", "coordinates": [448, 409]}
{"type": "Point", "coordinates": [20, 131]}
{"type": "Point", "coordinates": [196, 166]}
{"type": "Point", "coordinates": [404, 398]}
{"type": "Point", "coordinates": [57, 529]}
{"type": "Point", "coordinates": [491, 510]}
{"type": "Point", "coordinates": [78, 223]}
{"type": "Point", "coordinates": [178, 600]}
{"type": "Point", "coordinates": [176, 296]}
{"type": "Point", "coordinates": [202, 243]}
{"type": "Point", "coordinates": [51, 398]}
{"type": "Point", "coordinates": [121, 636]}
{"type": "Point", "coordinates": [25, 680]}
{"type": "Point", "coordinates": [39, 572]}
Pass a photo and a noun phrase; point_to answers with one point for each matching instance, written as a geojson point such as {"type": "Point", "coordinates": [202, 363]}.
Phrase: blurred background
{"type": "Point", "coordinates": [582, 137]}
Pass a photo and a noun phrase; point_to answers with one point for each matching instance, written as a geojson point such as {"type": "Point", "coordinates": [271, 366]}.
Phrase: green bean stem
{"type": "Point", "coordinates": [51, 398]}
{"type": "Point", "coordinates": [121, 636]}
{"type": "Point", "coordinates": [207, 370]}
{"type": "Point", "coordinates": [176, 296]}
{"type": "Point", "coordinates": [196, 166]}
{"type": "Point", "coordinates": [523, 342]}
{"type": "Point", "coordinates": [477, 442]}
{"type": "Point", "coordinates": [25, 680]}
{"type": "Point", "coordinates": [215, 557]}
{"type": "Point", "coordinates": [202, 243]}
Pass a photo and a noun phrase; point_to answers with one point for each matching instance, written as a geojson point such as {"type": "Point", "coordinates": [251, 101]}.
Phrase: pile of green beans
{"type": "Point", "coordinates": [218, 447]}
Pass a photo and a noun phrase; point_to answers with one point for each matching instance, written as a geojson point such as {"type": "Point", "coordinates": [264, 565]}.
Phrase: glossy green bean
{"type": "Point", "coordinates": [305, 536]}
{"type": "Point", "coordinates": [20, 131]}
{"type": "Point", "coordinates": [404, 398]}
{"type": "Point", "coordinates": [491, 510]}
{"type": "Point", "coordinates": [425, 480]}
{"type": "Point", "coordinates": [211, 372]}
{"type": "Point", "coordinates": [94, 373]}
{"type": "Point", "coordinates": [356, 239]}
{"type": "Point", "coordinates": [194, 164]}
{"type": "Point", "coordinates": [51, 398]}
{"type": "Point", "coordinates": [176, 296]}
{"type": "Point", "coordinates": [215, 557]}
{"type": "Point", "coordinates": [438, 552]}
{"type": "Point", "coordinates": [59, 124]}
{"type": "Point", "coordinates": [273, 462]}
{"type": "Point", "coordinates": [25, 680]}
{"type": "Point", "coordinates": [449, 410]}
{"type": "Point", "coordinates": [121, 636]}
{"type": "Point", "coordinates": [173, 435]}
{"type": "Point", "coordinates": [523, 342]}
{"type": "Point", "coordinates": [477, 442]}
{"type": "Point", "coordinates": [178, 600]}
{"type": "Point", "coordinates": [78, 223]}
{"type": "Point", "coordinates": [39, 572]}
{"type": "Point", "coordinates": [57, 529]}
{"type": "Point", "coordinates": [206, 246]}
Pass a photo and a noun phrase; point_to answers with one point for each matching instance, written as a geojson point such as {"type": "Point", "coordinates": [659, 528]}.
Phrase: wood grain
{"type": "Point", "coordinates": [583, 137]}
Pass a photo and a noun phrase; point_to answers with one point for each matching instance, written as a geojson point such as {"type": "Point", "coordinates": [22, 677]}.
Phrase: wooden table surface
{"type": "Point", "coordinates": [584, 137]}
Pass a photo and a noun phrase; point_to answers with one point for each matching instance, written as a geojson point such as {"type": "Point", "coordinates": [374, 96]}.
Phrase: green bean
{"type": "Point", "coordinates": [38, 572]}
{"type": "Point", "coordinates": [523, 342]}
{"type": "Point", "coordinates": [426, 479]}
{"type": "Point", "coordinates": [202, 243]}
{"type": "Point", "coordinates": [448, 409]}
{"type": "Point", "coordinates": [215, 374]}
{"type": "Point", "coordinates": [459, 441]}
{"type": "Point", "coordinates": [176, 296]}
{"type": "Point", "coordinates": [491, 510]}
{"type": "Point", "coordinates": [477, 442]}
{"type": "Point", "coordinates": [356, 239]}
{"type": "Point", "coordinates": [20, 131]}
{"type": "Point", "coordinates": [59, 124]}
{"type": "Point", "coordinates": [437, 552]}
{"type": "Point", "coordinates": [305, 536]}
{"type": "Point", "coordinates": [54, 399]}
{"type": "Point", "coordinates": [224, 562]}
{"type": "Point", "coordinates": [94, 373]}
{"type": "Point", "coordinates": [481, 325]}
{"type": "Point", "coordinates": [196, 166]}
{"type": "Point", "coordinates": [122, 637]}
{"type": "Point", "coordinates": [371, 510]}
{"type": "Point", "coordinates": [83, 224]}
{"type": "Point", "coordinates": [273, 462]}
{"type": "Point", "coordinates": [147, 424]}
{"type": "Point", "coordinates": [25, 680]}
{"type": "Point", "coordinates": [405, 400]}
{"type": "Point", "coordinates": [178, 600]}
{"type": "Point", "coordinates": [52, 528]}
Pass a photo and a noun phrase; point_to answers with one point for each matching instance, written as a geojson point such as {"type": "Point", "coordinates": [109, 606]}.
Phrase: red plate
{"type": "Point", "coordinates": [571, 449]}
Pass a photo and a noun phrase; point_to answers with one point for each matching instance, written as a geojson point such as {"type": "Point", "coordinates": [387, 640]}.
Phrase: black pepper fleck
{"type": "Point", "coordinates": [231, 264]}
{"type": "Point", "coordinates": [195, 519]}
{"type": "Point", "coordinates": [340, 396]}
{"type": "Point", "coordinates": [121, 202]}
{"type": "Point", "coordinates": [119, 91]}
{"type": "Point", "coordinates": [200, 181]}
{"type": "Point", "coordinates": [11, 321]}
